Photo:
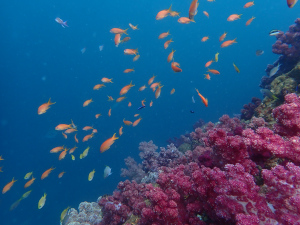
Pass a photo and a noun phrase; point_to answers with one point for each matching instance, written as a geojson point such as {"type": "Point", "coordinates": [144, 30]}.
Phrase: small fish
{"type": "Point", "coordinates": [128, 70]}
{"type": "Point", "coordinates": [63, 214]}
{"type": "Point", "coordinates": [133, 27]}
{"type": "Point", "coordinates": [118, 31]}
{"type": "Point", "coordinates": [216, 72]}
{"type": "Point", "coordinates": [207, 76]}
{"type": "Point", "coordinates": [125, 39]}
{"type": "Point", "coordinates": [63, 126]}
{"type": "Point", "coordinates": [167, 43]}
{"type": "Point", "coordinates": [136, 58]}
{"type": "Point", "coordinates": [85, 153]}
{"type": "Point", "coordinates": [274, 70]}
{"type": "Point", "coordinates": [217, 57]}
{"type": "Point", "coordinates": [141, 107]}
{"type": "Point", "coordinates": [61, 22]}
{"type": "Point", "coordinates": [46, 173]}
{"type": "Point", "coordinates": [228, 43]}
{"type": "Point", "coordinates": [234, 17]}
{"type": "Point", "coordinates": [249, 4]}
{"type": "Point", "coordinates": [8, 186]}
{"type": "Point", "coordinates": [129, 104]}
{"type": "Point", "coordinates": [131, 51]}
{"type": "Point", "coordinates": [268, 93]}
{"type": "Point", "coordinates": [274, 32]}
{"type": "Point", "coordinates": [175, 67]}
{"type": "Point", "coordinates": [106, 80]}
{"type": "Point", "coordinates": [62, 155]}
{"type": "Point", "coordinates": [117, 39]}
{"type": "Point", "coordinates": [83, 50]}
{"type": "Point", "coordinates": [87, 102]}
{"type": "Point", "coordinates": [204, 39]}
{"type": "Point", "coordinates": [30, 182]}
{"type": "Point", "coordinates": [91, 175]}
{"type": "Point", "coordinates": [76, 140]}
{"type": "Point", "coordinates": [1, 158]}
{"type": "Point", "coordinates": [97, 115]}
{"type": "Point", "coordinates": [127, 122]}
{"type": "Point", "coordinates": [120, 131]}
{"type": "Point", "coordinates": [15, 204]}
{"type": "Point", "coordinates": [193, 100]}
{"type": "Point", "coordinates": [135, 123]}
{"type": "Point", "coordinates": [87, 137]}
{"type": "Point", "coordinates": [44, 107]}
{"type": "Point", "coordinates": [185, 20]}
{"type": "Point", "coordinates": [223, 36]}
{"type": "Point", "coordinates": [28, 175]}
{"type": "Point", "coordinates": [120, 99]}
{"type": "Point", "coordinates": [236, 68]}
{"type": "Point", "coordinates": [142, 88]}
{"type": "Point", "coordinates": [204, 100]}
{"type": "Point", "coordinates": [110, 98]}
{"type": "Point", "coordinates": [151, 103]}
{"type": "Point", "coordinates": [106, 144]}
{"type": "Point", "coordinates": [250, 21]}
{"type": "Point", "coordinates": [61, 174]}
{"type": "Point", "coordinates": [107, 171]}
{"type": "Point", "coordinates": [193, 9]}
{"type": "Point", "coordinates": [73, 157]}
{"type": "Point", "coordinates": [65, 136]}
{"type": "Point", "coordinates": [72, 150]}
{"type": "Point", "coordinates": [158, 91]}
{"type": "Point", "coordinates": [42, 201]}
{"type": "Point", "coordinates": [163, 35]}
{"type": "Point", "coordinates": [25, 195]}
{"type": "Point", "coordinates": [206, 14]}
{"type": "Point", "coordinates": [259, 52]}
{"type": "Point", "coordinates": [126, 88]}
{"type": "Point", "coordinates": [209, 63]}
{"type": "Point", "coordinates": [109, 112]}
{"type": "Point", "coordinates": [150, 81]}
{"type": "Point", "coordinates": [172, 91]}
{"type": "Point", "coordinates": [101, 47]}
{"type": "Point", "coordinates": [171, 55]}
{"type": "Point", "coordinates": [163, 13]}
{"type": "Point", "coordinates": [291, 3]}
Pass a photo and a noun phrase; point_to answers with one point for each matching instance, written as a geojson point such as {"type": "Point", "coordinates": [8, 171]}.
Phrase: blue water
{"type": "Point", "coordinates": [40, 59]}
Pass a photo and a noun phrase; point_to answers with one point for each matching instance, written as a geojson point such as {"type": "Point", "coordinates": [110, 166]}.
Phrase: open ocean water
{"type": "Point", "coordinates": [40, 60]}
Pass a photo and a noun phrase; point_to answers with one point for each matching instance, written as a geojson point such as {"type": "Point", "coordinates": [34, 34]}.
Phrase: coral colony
{"type": "Point", "coordinates": [235, 171]}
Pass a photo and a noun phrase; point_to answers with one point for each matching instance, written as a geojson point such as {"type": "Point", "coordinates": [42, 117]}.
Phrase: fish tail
{"type": "Point", "coordinates": [125, 31]}
{"type": "Point", "coordinates": [170, 9]}
{"type": "Point", "coordinates": [51, 103]}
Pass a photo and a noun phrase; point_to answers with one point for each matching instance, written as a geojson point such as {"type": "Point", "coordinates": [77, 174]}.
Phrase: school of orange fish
{"type": "Point", "coordinates": [70, 130]}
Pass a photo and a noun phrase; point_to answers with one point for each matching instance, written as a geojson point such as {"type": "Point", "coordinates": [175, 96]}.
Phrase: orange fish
{"type": "Point", "coordinates": [151, 103]}
{"type": "Point", "coordinates": [129, 104]}
{"type": "Point", "coordinates": [136, 58]}
{"type": "Point", "coordinates": [61, 174]}
{"type": "Point", "coordinates": [76, 138]}
{"type": "Point", "coordinates": [65, 136]}
{"type": "Point", "coordinates": [127, 122]}
{"type": "Point", "coordinates": [126, 88]}
{"type": "Point", "coordinates": [46, 173]}
{"type": "Point", "coordinates": [72, 150]}
{"type": "Point", "coordinates": [135, 123]}
{"type": "Point", "coordinates": [95, 131]}
{"type": "Point", "coordinates": [204, 100]}
{"type": "Point", "coordinates": [158, 91]}
{"type": "Point", "coordinates": [209, 63]}
{"type": "Point", "coordinates": [131, 51]}
{"type": "Point", "coordinates": [62, 155]}
{"type": "Point", "coordinates": [1, 157]}
{"type": "Point", "coordinates": [120, 131]}
{"type": "Point", "coordinates": [106, 80]}
{"type": "Point", "coordinates": [175, 67]}
{"type": "Point", "coordinates": [171, 56]}
{"type": "Point", "coordinates": [120, 99]}
{"type": "Point", "coordinates": [193, 9]}
{"type": "Point", "coordinates": [106, 144]}
{"type": "Point", "coordinates": [163, 13]}
{"type": "Point", "coordinates": [206, 14]}
{"type": "Point", "coordinates": [174, 13]}
{"type": "Point", "coordinates": [86, 128]}
{"type": "Point", "coordinates": [125, 39]}
{"type": "Point", "coordinates": [207, 76]}
{"type": "Point", "coordinates": [56, 149]}
{"type": "Point", "coordinates": [109, 112]}
{"type": "Point", "coordinates": [63, 126]}
{"type": "Point", "coordinates": [204, 39]}
{"type": "Point", "coordinates": [98, 86]}
{"type": "Point", "coordinates": [29, 183]}
{"type": "Point", "coordinates": [142, 88]}
{"type": "Point", "coordinates": [118, 31]}
{"type": "Point", "coordinates": [143, 102]}
{"type": "Point", "coordinates": [216, 72]}
{"type": "Point", "coordinates": [8, 186]}
{"type": "Point", "coordinates": [250, 21]}
{"type": "Point", "coordinates": [87, 137]}
{"type": "Point", "coordinates": [69, 131]}
{"type": "Point", "coordinates": [291, 3]}
{"type": "Point", "coordinates": [97, 115]}
{"type": "Point", "coordinates": [234, 17]}
{"type": "Point", "coordinates": [87, 102]}
{"type": "Point", "coordinates": [150, 81]}
{"type": "Point", "coordinates": [155, 85]}
{"type": "Point", "coordinates": [223, 36]}
{"type": "Point", "coordinates": [44, 107]}
{"type": "Point", "coordinates": [133, 27]}
{"type": "Point", "coordinates": [249, 4]}
{"type": "Point", "coordinates": [128, 70]}
{"type": "Point", "coordinates": [163, 35]}
{"type": "Point", "coordinates": [185, 20]}
{"type": "Point", "coordinates": [167, 43]}
{"type": "Point", "coordinates": [228, 43]}
{"type": "Point", "coordinates": [172, 91]}
{"type": "Point", "coordinates": [110, 98]}
{"type": "Point", "coordinates": [117, 39]}
{"type": "Point", "coordinates": [136, 115]}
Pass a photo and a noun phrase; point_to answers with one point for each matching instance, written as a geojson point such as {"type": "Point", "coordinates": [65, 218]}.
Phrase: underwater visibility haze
{"type": "Point", "coordinates": [60, 50]}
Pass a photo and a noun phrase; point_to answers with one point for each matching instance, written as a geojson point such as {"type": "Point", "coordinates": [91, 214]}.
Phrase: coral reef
{"type": "Point", "coordinates": [87, 214]}
{"type": "Point", "coordinates": [249, 109]}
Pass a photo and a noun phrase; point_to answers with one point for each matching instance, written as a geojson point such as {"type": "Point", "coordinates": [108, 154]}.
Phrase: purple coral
{"type": "Point", "coordinates": [249, 109]}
